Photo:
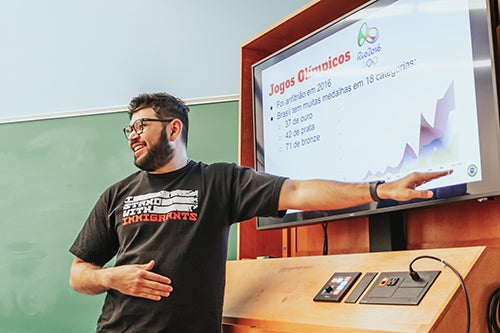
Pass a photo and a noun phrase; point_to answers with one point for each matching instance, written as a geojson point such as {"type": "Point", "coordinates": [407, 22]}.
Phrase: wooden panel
{"type": "Point", "coordinates": [346, 236]}
{"type": "Point", "coordinates": [253, 243]}
{"type": "Point", "coordinates": [464, 223]}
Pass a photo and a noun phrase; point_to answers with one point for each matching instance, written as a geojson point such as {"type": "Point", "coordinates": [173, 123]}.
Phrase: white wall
{"type": "Point", "coordinates": [59, 55]}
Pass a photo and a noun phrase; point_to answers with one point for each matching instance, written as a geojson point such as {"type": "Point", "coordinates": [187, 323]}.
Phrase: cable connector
{"type": "Point", "coordinates": [414, 275]}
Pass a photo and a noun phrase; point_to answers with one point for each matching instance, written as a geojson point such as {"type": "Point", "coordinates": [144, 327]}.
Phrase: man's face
{"type": "Point", "coordinates": [151, 148]}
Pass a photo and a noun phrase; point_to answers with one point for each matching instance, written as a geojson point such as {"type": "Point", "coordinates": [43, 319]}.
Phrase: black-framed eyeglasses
{"type": "Point", "coordinates": [138, 126]}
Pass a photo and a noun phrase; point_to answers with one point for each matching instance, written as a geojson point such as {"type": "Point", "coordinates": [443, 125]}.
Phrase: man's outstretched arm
{"type": "Point", "coordinates": [327, 194]}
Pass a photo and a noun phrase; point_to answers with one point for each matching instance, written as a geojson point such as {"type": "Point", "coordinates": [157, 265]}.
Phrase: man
{"type": "Point", "coordinates": [168, 224]}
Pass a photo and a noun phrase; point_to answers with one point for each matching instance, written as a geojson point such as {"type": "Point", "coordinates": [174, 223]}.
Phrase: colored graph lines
{"type": "Point", "coordinates": [431, 140]}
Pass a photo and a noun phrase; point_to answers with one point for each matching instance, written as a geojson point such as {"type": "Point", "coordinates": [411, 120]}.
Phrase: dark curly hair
{"type": "Point", "coordinates": [165, 106]}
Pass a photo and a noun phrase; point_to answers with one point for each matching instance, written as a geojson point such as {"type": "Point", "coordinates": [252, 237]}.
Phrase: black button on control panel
{"type": "Point", "coordinates": [337, 286]}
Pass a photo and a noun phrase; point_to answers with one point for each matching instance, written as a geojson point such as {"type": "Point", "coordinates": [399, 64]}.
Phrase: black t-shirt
{"type": "Point", "coordinates": [180, 220]}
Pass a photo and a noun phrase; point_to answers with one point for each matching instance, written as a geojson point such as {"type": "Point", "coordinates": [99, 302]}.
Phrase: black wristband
{"type": "Point", "coordinates": [373, 189]}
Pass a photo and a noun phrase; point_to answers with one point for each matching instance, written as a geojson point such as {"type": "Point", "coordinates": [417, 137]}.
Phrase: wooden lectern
{"type": "Point", "coordinates": [276, 295]}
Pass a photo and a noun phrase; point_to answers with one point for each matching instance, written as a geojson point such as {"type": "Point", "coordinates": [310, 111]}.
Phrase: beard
{"type": "Point", "coordinates": [157, 155]}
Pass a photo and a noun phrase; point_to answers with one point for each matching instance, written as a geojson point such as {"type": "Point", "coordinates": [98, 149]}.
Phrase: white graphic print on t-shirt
{"type": "Point", "coordinates": [179, 205]}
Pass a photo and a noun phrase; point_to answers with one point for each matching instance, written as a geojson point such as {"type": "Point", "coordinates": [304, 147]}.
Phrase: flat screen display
{"type": "Point", "coordinates": [393, 87]}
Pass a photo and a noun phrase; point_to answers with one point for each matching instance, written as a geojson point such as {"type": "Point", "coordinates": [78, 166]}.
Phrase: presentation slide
{"type": "Point", "coordinates": [390, 93]}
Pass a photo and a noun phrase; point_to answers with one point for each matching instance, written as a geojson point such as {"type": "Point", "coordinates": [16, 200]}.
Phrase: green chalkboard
{"type": "Point", "coordinates": [52, 172]}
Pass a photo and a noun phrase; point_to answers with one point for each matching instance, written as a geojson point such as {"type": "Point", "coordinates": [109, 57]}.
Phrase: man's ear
{"type": "Point", "coordinates": [175, 129]}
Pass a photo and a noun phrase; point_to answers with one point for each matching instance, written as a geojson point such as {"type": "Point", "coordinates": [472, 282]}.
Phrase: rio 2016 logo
{"type": "Point", "coordinates": [368, 54]}
{"type": "Point", "coordinates": [367, 34]}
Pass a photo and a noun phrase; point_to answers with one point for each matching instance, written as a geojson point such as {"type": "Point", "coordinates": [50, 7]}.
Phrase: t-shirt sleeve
{"type": "Point", "coordinates": [255, 194]}
{"type": "Point", "coordinates": [97, 241]}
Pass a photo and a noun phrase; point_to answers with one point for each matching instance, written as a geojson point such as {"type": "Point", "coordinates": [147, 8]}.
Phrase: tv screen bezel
{"type": "Point", "coordinates": [489, 17]}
